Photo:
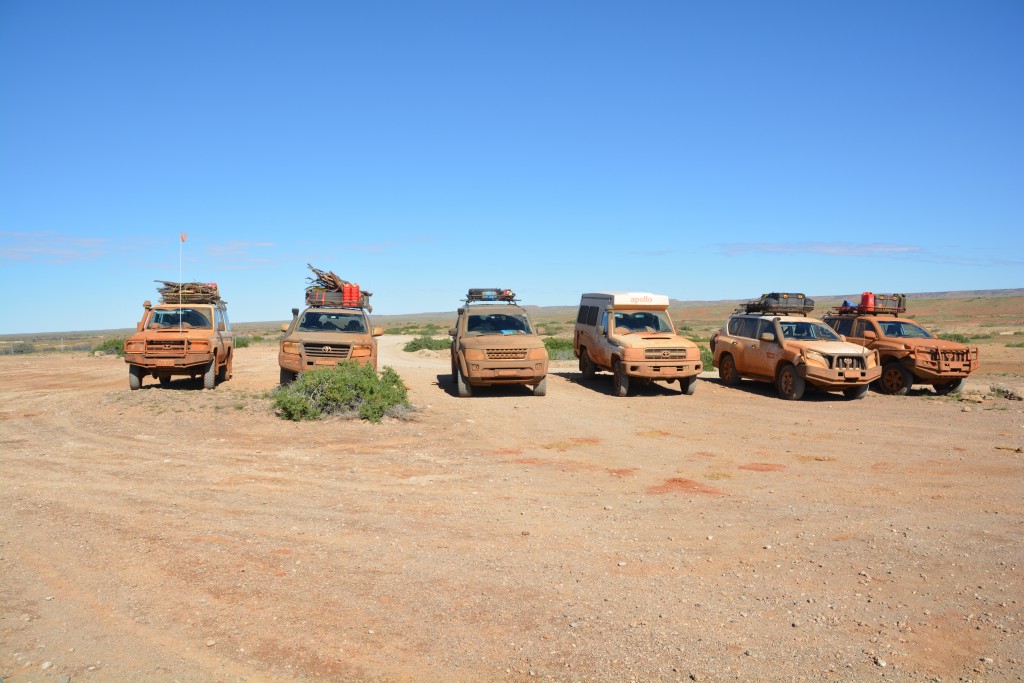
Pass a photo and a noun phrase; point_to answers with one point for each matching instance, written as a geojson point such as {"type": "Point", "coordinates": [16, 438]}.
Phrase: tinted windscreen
{"type": "Point", "coordinates": [497, 323]}
{"type": "Point", "coordinates": [905, 330]}
{"type": "Point", "coordinates": [179, 317]}
{"type": "Point", "coordinates": [808, 330]}
{"type": "Point", "coordinates": [314, 321]}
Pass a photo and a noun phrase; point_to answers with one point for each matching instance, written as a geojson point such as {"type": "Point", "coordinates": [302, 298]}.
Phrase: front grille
{"type": "Point", "coordinates": [665, 354]}
{"type": "Point", "coordinates": [174, 348]}
{"type": "Point", "coordinates": [951, 355]}
{"type": "Point", "coordinates": [506, 354]}
{"type": "Point", "coordinates": [340, 351]}
{"type": "Point", "coordinates": [848, 363]}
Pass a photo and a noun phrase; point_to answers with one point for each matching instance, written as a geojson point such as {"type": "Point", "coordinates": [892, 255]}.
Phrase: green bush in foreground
{"type": "Point", "coordinates": [559, 348]}
{"type": "Point", "coordinates": [111, 346]}
{"type": "Point", "coordinates": [345, 389]}
{"type": "Point", "coordinates": [707, 359]}
{"type": "Point", "coordinates": [242, 342]}
{"type": "Point", "coordinates": [428, 343]}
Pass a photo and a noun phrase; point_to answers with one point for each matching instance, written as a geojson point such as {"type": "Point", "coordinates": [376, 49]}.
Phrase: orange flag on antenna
{"type": "Point", "coordinates": [183, 236]}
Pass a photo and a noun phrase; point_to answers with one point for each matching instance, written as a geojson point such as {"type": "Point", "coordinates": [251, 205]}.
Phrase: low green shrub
{"type": "Point", "coordinates": [242, 342]}
{"type": "Point", "coordinates": [1015, 345]}
{"type": "Point", "coordinates": [348, 389]}
{"type": "Point", "coordinates": [109, 346]}
{"type": "Point", "coordinates": [707, 359]}
{"type": "Point", "coordinates": [559, 348]}
{"type": "Point", "coordinates": [956, 337]}
{"type": "Point", "coordinates": [428, 343]}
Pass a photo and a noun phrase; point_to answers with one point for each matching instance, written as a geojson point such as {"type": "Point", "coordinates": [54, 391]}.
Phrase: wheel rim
{"type": "Point", "coordinates": [892, 380]}
{"type": "Point", "coordinates": [786, 381]}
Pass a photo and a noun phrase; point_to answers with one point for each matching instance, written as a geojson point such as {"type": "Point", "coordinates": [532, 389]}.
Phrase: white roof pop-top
{"type": "Point", "coordinates": [624, 299]}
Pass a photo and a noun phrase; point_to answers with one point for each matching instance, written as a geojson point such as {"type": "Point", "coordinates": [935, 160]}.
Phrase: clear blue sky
{"type": "Point", "coordinates": [704, 150]}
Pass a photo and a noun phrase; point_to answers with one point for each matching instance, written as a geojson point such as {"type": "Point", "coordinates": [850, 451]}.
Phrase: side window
{"type": "Point", "coordinates": [581, 317]}
{"type": "Point", "coordinates": [735, 326]}
{"type": "Point", "coordinates": [604, 320]}
{"type": "Point", "coordinates": [748, 328]}
{"type": "Point", "coordinates": [860, 328]}
{"type": "Point", "coordinates": [592, 312]}
{"type": "Point", "coordinates": [843, 326]}
{"type": "Point", "coordinates": [764, 326]}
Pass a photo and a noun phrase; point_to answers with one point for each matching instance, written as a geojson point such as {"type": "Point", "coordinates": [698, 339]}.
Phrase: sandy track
{"type": "Point", "coordinates": [177, 534]}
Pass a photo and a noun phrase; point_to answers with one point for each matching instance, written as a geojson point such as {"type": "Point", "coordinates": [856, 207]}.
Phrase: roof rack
{"type": "Point", "coordinates": [787, 303]}
{"type": "Point", "coordinates": [875, 304]}
{"type": "Point", "coordinates": [328, 290]}
{"type": "Point", "coordinates": [491, 294]}
{"type": "Point", "coordinates": [189, 292]}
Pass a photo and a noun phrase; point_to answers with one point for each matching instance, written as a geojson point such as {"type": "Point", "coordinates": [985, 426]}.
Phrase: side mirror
{"type": "Point", "coordinates": [767, 337]}
{"type": "Point", "coordinates": [138, 326]}
{"type": "Point", "coordinates": [541, 330]}
{"type": "Point", "coordinates": [284, 327]}
{"type": "Point", "coordinates": [377, 331]}
{"type": "Point", "coordinates": [870, 334]}
{"type": "Point", "coordinates": [451, 331]}
{"type": "Point", "coordinates": [221, 327]}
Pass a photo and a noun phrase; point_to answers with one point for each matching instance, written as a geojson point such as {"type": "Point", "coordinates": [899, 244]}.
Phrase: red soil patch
{"type": "Point", "coordinates": [507, 451]}
{"type": "Point", "coordinates": [705, 454]}
{"type": "Point", "coordinates": [677, 484]}
{"type": "Point", "coordinates": [624, 472]}
{"type": "Point", "coordinates": [763, 467]}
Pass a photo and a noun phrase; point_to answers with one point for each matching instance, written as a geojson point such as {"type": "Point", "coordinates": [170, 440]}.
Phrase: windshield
{"type": "Point", "coordinates": [320, 321]}
{"type": "Point", "coordinates": [497, 323]}
{"type": "Point", "coordinates": [808, 330]}
{"type": "Point", "coordinates": [184, 317]}
{"type": "Point", "coordinates": [902, 329]}
{"type": "Point", "coordinates": [628, 322]}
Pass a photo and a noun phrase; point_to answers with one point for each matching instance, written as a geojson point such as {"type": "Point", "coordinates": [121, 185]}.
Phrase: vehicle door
{"type": "Point", "coordinates": [739, 341]}
{"type": "Point", "coordinates": [601, 353]}
{"type": "Point", "coordinates": [860, 326]}
{"type": "Point", "coordinates": [762, 354]}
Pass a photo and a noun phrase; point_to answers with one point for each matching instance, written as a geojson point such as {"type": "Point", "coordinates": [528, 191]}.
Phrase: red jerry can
{"type": "Point", "coordinates": [867, 302]}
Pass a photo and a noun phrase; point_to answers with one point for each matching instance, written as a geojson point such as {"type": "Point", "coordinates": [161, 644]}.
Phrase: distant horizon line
{"type": "Point", "coordinates": [952, 294]}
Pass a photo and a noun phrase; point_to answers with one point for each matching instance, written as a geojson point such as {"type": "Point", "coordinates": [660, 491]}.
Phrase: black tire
{"type": "Point", "coordinates": [688, 385]}
{"type": "Point", "coordinates": [727, 370]}
{"type": "Point", "coordinates": [858, 392]}
{"type": "Point", "coordinates": [287, 377]}
{"type": "Point", "coordinates": [895, 380]}
{"type": "Point", "coordinates": [541, 388]}
{"type": "Point", "coordinates": [620, 380]}
{"type": "Point", "coordinates": [587, 367]}
{"type": "Point", "coordinates": [790, 384]}
{"type": "Point", "coordinates": [950, 387]}
{"type": "Point", "coordinates": [464, 388]}
{"type": "Point", "coordinates": [165, 380]}
{"type": "Point", "coordinates": [135, 375]}
{"type": "Point", "coordinates": [210, 376]}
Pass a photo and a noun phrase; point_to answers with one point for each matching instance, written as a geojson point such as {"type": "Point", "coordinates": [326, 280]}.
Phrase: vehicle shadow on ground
{"type": "Point", "coordinates": [447, 385]}
{"type": "Point", "coordinates": [768, 390]}
{"type": "Point", "coordinates": [180, 384]}
{"type": "Point", "coordinates": [602, 384]}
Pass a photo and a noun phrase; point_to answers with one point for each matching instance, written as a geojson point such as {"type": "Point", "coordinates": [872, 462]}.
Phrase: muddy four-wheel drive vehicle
{"type": "Point", "coordinates": [631, 335]}
{"type": "Point", "coordinates": [909, 354]}
{"type": "Point", "coordinates": [494, 342]}
{"type": "Point", "coordinates": [187, 335]}
{"type": "Point", "coordinates": [332, 329]}
{"type": "Point", "coordinates": [771, 339]}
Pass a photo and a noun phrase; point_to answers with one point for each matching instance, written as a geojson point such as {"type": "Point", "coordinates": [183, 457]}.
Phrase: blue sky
{"type": "Point", "coordinates": [710, 150]}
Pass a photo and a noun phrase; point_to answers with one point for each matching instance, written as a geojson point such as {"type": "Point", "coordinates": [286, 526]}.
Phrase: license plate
{"type": "Point", "coordinates": [508, 372]}
{"type": "Point", "coordinates": [164, 361]}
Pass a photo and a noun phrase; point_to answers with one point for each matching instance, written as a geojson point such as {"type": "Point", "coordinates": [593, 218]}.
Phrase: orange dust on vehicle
{"type": "Point", "coordinates": [186, 334]}
{"type": "Point", "coordinates": [335, 327]}
{"type": "Point", "coordinates": [631, 335]}
{"type": "Point", "coordinates": [909, 354]}
{"type": "Point", "coordinates": [494, 342]}
{"type": "Point", "coordinates": [771, 339]}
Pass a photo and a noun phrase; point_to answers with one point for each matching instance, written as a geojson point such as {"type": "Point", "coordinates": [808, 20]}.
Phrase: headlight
{"type": "Point", "coordinates": [199, 347]}
{"type": "Point", "coordinates": [135, 347]}
{"type": "Point", "coordinates": [474, 354]}
{"type": "Point", "coordinates": [540, 353]}
{"type": "Point", "coordinates": [815, 358]}
{"type": "Point", "coordinates": [361, 351]}
{"type": "Point", "coordinates": [291, 347]}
